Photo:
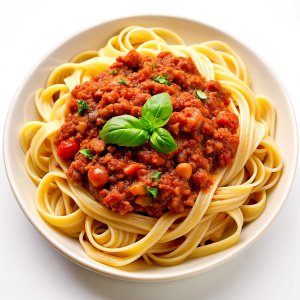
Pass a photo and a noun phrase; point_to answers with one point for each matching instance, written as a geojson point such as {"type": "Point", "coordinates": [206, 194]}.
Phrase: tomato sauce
{"type": "Point", "coordinates": [204, 131]}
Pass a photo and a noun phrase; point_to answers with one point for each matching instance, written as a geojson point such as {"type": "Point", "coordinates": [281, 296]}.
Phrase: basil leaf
{"type": "Point", "coordinates": [122, 81]}
{"type": "Point", "coordinates": [82, 107]}
{"type": "Point", "coordinates": [113, 72]}
{"type": "Point", "coordinates": [201, 95]}
{"type": "Point", "coordinates": [162, 80]}
{"type": "Point", "coordinates": [86, 153]}
{"type": "Point", "coordinates": [129, 131]}
{"type": "Point", "coordinates": [145, 124]}
{"type": "Point", "coordinates": [159, 106]}
{"type": "Point", "coordinates": [154, 66]}
{"type": "Point", "coordinates": [162, 141]}
{"type": "Point", "coordinates": [151, 192]}
{"type": "Point", "coordinates": [156, 175]}
{"type": "Point", "coordinates": [154, 122]}
{"type": "Point", "coordinates": [124, 130]}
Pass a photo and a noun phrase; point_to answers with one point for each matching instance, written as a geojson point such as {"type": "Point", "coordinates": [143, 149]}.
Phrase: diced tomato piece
{"type": "Point", "coordinates": [98, 176]}
{"type": "Point", "coordinates": [137, 189]}
{"type": "Point", "coordinates": [68, 149]}
{"type": "Point", "coordinates": [131, 169]}
{"type": "Point", "coordinates": [143, 200]}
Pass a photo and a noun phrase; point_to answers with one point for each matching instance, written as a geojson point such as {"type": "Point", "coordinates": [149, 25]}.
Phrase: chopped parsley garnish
{"type": "Point", "coordinates": [113, 72]}
{"type": "Point", "coordinates": [162, 80]}
{"type": "Point", "coordinates": [156, 175]}
{"type": "Point", "coordinates": [86, 153]}
{"type": "Point", "coordinates": [201, 95]}
{"type": "Point", "coordinates": [122, 81]}
{"type": "Point", "coordinates": [82, 107]}
{"type": "Point", "coordinates": [154, 65]}
{"type": "Point", "coordinates": [151, 192]}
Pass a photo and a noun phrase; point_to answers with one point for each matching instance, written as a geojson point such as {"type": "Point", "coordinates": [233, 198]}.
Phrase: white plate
{"type": "Point", "coordinates": [264, 81]}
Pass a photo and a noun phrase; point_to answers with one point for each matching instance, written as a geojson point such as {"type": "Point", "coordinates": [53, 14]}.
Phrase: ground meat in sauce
{"type": "Point", "coordinates": [204, 132]}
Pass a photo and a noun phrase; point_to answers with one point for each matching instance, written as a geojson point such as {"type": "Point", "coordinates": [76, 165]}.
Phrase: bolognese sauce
{"type": "Point", "coordinates": [140, 179]}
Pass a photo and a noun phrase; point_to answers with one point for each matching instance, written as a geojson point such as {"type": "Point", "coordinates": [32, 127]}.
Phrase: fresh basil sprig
{"type": "Point", "coordinates": [129, 131]}
{"type": "Point", "coordinates": [124, 130]}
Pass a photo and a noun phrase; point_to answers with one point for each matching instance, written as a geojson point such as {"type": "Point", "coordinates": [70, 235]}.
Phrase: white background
{"type": "Point", "coordinates": [31, 269]}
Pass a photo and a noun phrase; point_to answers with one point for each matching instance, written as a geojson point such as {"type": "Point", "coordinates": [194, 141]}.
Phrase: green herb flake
{"type": "Point", "coordinates": [82, 107]}
{"type": "Point", "coordinates": [162, 80]}
{"type": "Point", "coordinates": [154, 65]}
{"type": "Point", "coordinates": [156, 175]}
{"type": "Point", "coordinates": [201, 95]}
{"type": "Point", "coordinates": [122, 81]}
{"type": "Point", "coordinates": [113, 72]}
{"type": "Point", "coordinates": [152, 192]}
{"type": "Point", "coordinates": [86, 153]}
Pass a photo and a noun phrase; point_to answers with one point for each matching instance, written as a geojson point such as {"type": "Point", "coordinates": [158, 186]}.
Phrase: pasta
{"type": "Point", "coordinates": [238, 194]}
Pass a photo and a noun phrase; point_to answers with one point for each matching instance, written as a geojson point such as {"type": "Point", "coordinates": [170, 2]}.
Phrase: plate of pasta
{"type": "Point", "coordinates": [151, 148]}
